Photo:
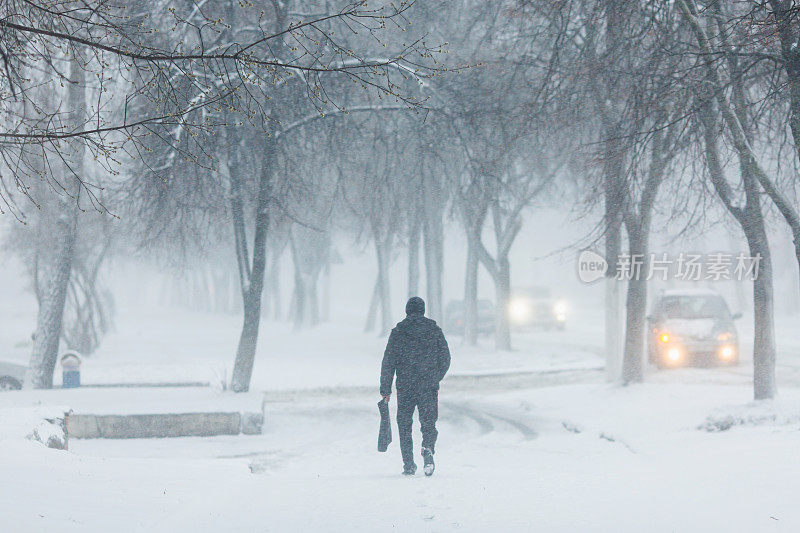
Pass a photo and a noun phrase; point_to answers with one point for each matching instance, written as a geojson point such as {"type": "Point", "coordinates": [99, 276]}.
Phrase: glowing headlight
{"type": "Point", "coordinates": [674, 354]}
{"type": "Point", "coordinates": [726, 352]}
{"type": "Point", "coordinates": [560, 308]}
{"type": "Point", "coordinates": [519, 311]}
{"type": "Point", "coordinates": [665, 337]}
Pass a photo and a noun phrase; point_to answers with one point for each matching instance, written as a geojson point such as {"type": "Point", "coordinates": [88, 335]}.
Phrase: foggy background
{"type": "Point", "coordinates": [545, 254]}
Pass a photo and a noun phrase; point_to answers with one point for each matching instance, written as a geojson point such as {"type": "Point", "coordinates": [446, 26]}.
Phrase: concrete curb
{"type": "Point", "coordinates": [144, 426]}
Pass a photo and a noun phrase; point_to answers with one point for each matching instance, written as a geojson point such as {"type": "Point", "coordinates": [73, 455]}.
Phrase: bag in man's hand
{"type": "Point", "coordinates": [385, 431]}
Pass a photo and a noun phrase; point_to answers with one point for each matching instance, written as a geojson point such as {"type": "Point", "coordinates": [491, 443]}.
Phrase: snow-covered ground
{"type": "Point", "coordinates": [153, 344]}
{"type": "Point", "coordinates": [558, 458]}
{"type": "Point", "coordinates": [529, 439]}
{"type": "Point", "coordinates": [156, 344]}
{"type": "Point", "coordinates": [172, 345]}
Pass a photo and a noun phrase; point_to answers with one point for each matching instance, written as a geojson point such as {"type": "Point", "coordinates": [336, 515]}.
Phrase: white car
{"type": "Point", "coordinates": [692, 327]}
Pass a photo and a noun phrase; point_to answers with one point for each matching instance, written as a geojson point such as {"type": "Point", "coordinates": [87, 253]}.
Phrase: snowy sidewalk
{"type": "Point", "coordinates": [567, 458]}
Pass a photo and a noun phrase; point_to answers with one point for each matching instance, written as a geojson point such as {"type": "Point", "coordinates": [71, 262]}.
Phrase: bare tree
{"type": "Point", "coordinates": [272, 117]}
{"type": "Point", "coordinates": [641, 193]}
{"type": "Point", "coordinates": [162, 81]}
{"type": "Point", "coordinates": [56, 269]}
{"type": "Point", "coordinates": [375, 191]}
{"type": "Point", "coordinates": [655, 119]}
{"type": "Point", "coordinates": [734, 112]}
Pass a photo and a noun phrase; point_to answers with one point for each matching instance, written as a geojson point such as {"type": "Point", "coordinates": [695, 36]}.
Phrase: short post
{"type": "Point", "coordinates": [70, 370]}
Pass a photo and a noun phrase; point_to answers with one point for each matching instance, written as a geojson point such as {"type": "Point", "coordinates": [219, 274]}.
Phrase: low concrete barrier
{"type": "Point", "coordinates": [142, 426]}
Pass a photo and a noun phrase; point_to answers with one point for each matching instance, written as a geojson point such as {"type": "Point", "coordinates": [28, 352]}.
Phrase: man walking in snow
{"type": "Point", "coordinates": [417, 352]}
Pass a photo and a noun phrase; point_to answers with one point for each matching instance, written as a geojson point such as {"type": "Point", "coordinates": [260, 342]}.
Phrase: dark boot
{"type": "Point", "coordinates": [410, 469]}
{"type": "Point", "coordinates": [427, 457]}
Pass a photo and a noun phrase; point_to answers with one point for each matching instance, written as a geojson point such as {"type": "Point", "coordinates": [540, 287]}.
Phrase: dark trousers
{"type": "Point", "coordinates": [427, 403]}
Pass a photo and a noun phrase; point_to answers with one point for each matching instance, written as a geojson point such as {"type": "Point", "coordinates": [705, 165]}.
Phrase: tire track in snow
{"type": "Point", "coordinates": [485, 419]}
{"type": "Point", "coordinates": [462, 412]}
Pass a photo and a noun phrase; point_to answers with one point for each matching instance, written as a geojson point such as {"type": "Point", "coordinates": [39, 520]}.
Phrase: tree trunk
{"type": "Point", "coordinates": [471, 295]}
{"type": "Point", "coordinates": [253, 284]}
{"type": "Point", "coordinates": [274, 277]}
{"type": "Point", "coordinates": [300, 295]}
{"type": "Point", "coordinates": [764, 384]}
{"type": "Point", "coordinates": [473, 217]}
{"type": "Point", "coordinates": [613, 329]}
{"type": "Point", "coordinates": [372, 313]}
{"type": "Point", "coordinates": [636, 310]}
{"type": "Point", "coordinates": [313, 301]}
{"type": "Point", "coordinates": [50, 319]}
{"type": "Point", "coordinates": [502, 294]}
{"type": "Point", "coordinates": [614, 153]}
{"type": "Point", "coordinates": [433, 268]}
{"type": "Point", "coordinates": [248, 340]}
{"type": "Point", "coordinates": [638, 228]}
{"type": "Point", "coordinates": [433, 242]}
{"type": "Point", "coordinates": [325, 313]}
{"type": "Point", "coordinates": [382, 250]}
{"type": "Point", "coordinates": [413, 258]}
{"type": "Point", "coordinates": [613, 240]}
{"type": "Point", "coordinates": [310, 252]}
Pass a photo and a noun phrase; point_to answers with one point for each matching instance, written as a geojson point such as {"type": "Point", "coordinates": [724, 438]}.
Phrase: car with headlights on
{"type": "Point", "coordinates": [535, 307]}
{"type": "Point", "coordinates": [454, 317]}
{"type": "Point", "coordinates": [692, 327]}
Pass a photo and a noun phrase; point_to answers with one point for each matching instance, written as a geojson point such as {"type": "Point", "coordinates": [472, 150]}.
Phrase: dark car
{"type": "Point", "coordinates": [692, 328]}
{"type": "Point", "coordinates": [11, 376]}
{"type": "Point", "coordinates": [454, 317]}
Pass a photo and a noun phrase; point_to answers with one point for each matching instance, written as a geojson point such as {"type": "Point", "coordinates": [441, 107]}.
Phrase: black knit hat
{"type": "Point", "coordinates": [415, 306]}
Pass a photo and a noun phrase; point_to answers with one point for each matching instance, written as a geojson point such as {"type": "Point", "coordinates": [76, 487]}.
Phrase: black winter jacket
{"type": "Point", "coordinates": [417, 352]}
